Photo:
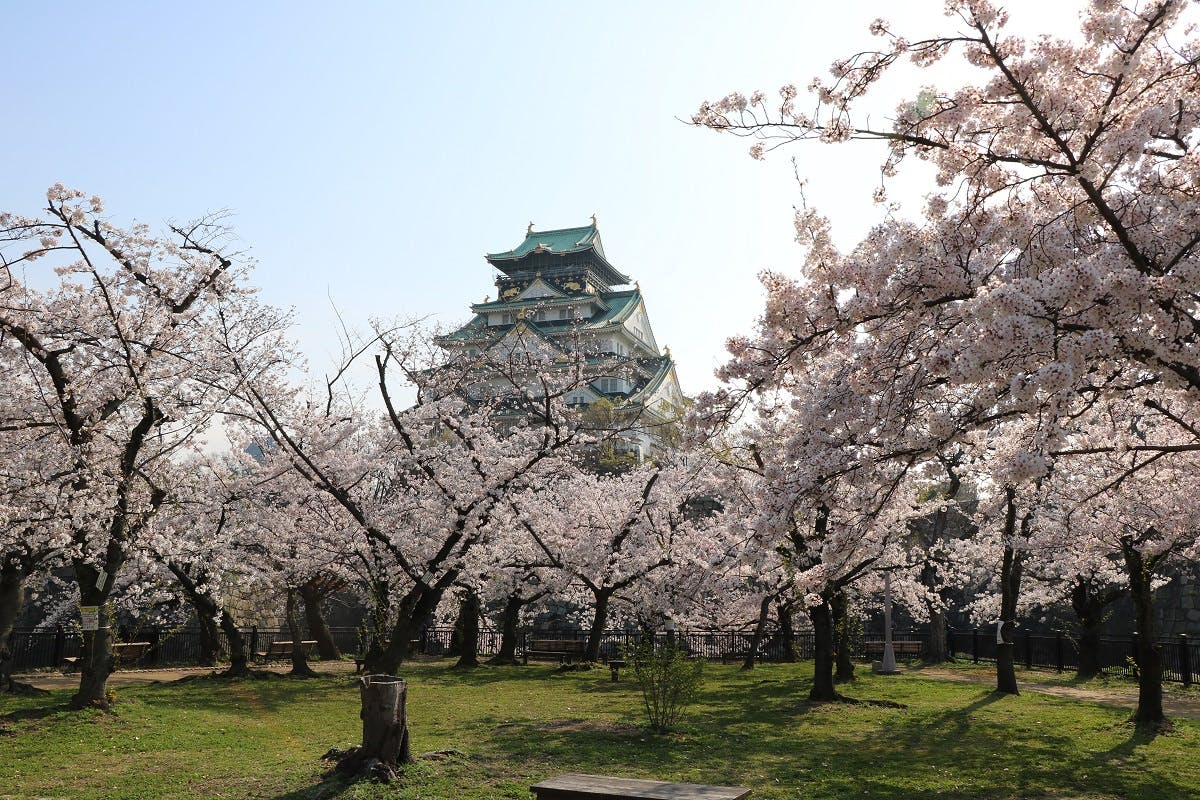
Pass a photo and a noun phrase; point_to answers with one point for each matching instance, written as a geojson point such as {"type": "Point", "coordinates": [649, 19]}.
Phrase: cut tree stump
{"type": "Point", "coordinates": [385, 730]}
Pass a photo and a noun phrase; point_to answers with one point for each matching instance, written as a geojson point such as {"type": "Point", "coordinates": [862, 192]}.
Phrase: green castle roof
{"type": "Point", "coordinates": [619, 306]}
{"type": "Point", "coordinates": [561, 241]}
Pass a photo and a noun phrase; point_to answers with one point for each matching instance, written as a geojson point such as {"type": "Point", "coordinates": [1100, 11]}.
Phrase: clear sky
{"type": "Point", "coordinates": [373, 152]}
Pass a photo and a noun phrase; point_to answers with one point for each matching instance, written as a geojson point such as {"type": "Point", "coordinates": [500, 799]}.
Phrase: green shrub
{"type": "Point", "coordinates": [669, 678]}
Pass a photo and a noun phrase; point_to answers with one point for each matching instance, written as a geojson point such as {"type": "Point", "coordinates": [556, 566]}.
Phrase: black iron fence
{"type": "Point", "coordinates": [1117, 654]}
{"type": "Point", "coordinates": [48, 648]}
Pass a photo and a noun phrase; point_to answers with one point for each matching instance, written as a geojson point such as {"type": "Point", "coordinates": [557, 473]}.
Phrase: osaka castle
{"type": "Point", "coordinates": [559, 298]}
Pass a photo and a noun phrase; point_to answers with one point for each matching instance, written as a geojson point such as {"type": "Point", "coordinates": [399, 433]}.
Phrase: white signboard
{"type": "Point", "coordinates": [90, 616]}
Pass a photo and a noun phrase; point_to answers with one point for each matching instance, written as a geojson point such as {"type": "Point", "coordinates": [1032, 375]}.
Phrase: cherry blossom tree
{"type": "Point", "coordinates": [419, 486]}
{"type": "Point", "coordinates": [1054, 262]}
{"type": "Point", "coordinates": [121, 359]}
{"type": "Point", "coordinates": [610, 532]}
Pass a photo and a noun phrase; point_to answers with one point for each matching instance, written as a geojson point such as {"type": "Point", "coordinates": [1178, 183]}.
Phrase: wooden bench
{"type": "Point", "coordinates": [124, 654]}
{"type": "Point", "coordinates": [563, 650]}
{"type": "Point", "coordinates": [283, 649]}
{"type": "Point", "coordinates": [901, 647]}
{"type": "Point", "coordinates": [129, 652]}
{"type": "Point", "coordinates": [575, 786]}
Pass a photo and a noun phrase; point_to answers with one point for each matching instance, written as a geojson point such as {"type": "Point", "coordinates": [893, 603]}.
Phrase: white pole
{"type": "Point", "coordinates": [889, 652]}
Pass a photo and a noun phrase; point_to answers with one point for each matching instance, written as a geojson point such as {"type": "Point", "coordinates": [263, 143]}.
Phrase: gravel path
{"type": "Point", "coordinates": [138, 677]}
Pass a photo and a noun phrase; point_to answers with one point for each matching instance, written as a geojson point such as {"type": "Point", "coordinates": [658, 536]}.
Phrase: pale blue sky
{"type": "Point", "coordinates": [372, 152]}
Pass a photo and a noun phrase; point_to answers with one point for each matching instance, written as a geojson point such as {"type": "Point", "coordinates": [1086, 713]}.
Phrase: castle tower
{"type": "Point", "coordinates": [557, 292]}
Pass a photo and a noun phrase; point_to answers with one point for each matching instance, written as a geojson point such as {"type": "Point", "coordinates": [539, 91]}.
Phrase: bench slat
{"type": "Point", "coordinates": [577, 786]}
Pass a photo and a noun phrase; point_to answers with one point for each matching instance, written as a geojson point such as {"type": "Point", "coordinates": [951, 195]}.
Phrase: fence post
{"type": "Point", "coordinates": [975, 646]}
{"type": "Point", "coordinates": [153, 637]}
{"type": "Point", "coordinates": [60, 644]}
{"type": "Point", "coordinates": [253, 641]}
{"type": "Point", "coordinates": [1028, 650]}
{"type": "Point", "coordinates": [425, 640]}
{"type": "Point", "coordinates": [1058, 651]}
{"type": "Point", "coordinates": [949, 643]}
{"type": "Point", "coordinates": [1185, 660]}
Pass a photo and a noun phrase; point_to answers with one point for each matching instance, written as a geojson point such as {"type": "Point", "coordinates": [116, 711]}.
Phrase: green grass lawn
{"type": "Point", "coordinates": [514, 726]}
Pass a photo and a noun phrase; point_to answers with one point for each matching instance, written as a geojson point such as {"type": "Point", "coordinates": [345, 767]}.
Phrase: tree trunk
{"type": "Point", "coordinates": [822, 621]}
{"type": "Point", "coordinates": [300, 665]}
{"type": "Point", "coordinates": [378, 614]}
{"type": "Point", "coordinates": [1010, 585]}
{"type": "Point", "coordinates": [935, 652]}
{"type": "Point", "coordinates": [413, 613]}
{"type": "Point", "coordinates": [467, 625]}
{"type": "Point", "coordinates": [760, 628]}
{"type": "Point", "coordinates": [317, 626]}
{"type": "Point", "coordinates": [95, 656]}
{"type": "Point", "coordinates": [210, 638]}
{"type": "Point", "coordinates": [95, 664]}
{"type": "Point", "coordinates": [843, 658]}
{"type": "Point", "coordinates": [599, 621]}
{"type": "Point", "coordinates": [239, 656]}
{"type": "Point", "coordinates": [12, 598]}
{"type": "Point", "coordinates": [385, 729]}
{"type": "Point", "coordinates": [192, 581]}
{"type": "Point", "coordinates": [1089, 605]}
{"type": "Point", "coordinates": [787, 630]}
{"type": "Point", "coordinates": [510, 618]}
{"type": "Point", "coordinates": [1149, 659]}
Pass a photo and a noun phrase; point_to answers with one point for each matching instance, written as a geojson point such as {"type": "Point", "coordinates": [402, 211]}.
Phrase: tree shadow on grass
{"type": "Point", "coordinates": [36, 712]}
{"type": "Point", "coordinates": [328, 787]}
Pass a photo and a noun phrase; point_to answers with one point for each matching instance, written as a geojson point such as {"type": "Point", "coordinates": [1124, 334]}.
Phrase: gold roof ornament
{"type": "Point", "coordinates": [529, 230]}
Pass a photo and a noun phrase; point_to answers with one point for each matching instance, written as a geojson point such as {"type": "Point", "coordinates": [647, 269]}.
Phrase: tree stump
{"type": "Point", "coordinates": [385, 730]}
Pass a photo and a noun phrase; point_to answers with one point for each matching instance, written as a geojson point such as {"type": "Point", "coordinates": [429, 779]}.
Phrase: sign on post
{"type": "Point", "coordinates": [90, 617]}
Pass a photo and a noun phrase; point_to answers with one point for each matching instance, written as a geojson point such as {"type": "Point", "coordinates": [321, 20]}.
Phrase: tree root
{"type": "Point", "coordinates": [352, 763]}
{"type": "Point", "coordinates": [16, 687]}
{"type": "Point", "coordinates": [1153, 727]}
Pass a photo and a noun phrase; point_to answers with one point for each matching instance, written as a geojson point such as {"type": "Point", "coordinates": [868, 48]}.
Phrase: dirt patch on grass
{"type": "Point", "coordinates": [1119, 697]}
{"type": "Point", "coordinates": [583, 726]}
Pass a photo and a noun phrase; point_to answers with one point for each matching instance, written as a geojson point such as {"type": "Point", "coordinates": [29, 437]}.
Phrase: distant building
{"type": "Point", "coordinates": [558, 304]}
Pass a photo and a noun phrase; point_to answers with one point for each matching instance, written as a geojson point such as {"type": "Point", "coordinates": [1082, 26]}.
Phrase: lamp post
{"type": "Point", "coordinates": [888, 665]}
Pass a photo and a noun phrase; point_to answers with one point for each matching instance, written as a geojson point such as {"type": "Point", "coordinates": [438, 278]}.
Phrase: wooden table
{"type": "Point", "coordinates": [574, 786]}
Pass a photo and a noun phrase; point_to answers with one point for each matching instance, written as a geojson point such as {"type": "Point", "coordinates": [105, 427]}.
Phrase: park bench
{"type": "Point", "coordinates": [129, 652]}
{"type": "Point", "coordinates": [575, 786]}
{"type": "Point", "coordinates": [563, 650]}
{"type": "Point", "coordinates": [910, 648]}
{"type": "Point", "coordinates": [283, 649]}
{"type": "Point", "coordinates": [124, 654]}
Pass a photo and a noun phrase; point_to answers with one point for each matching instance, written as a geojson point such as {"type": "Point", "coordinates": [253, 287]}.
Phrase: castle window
{"type": "Point", "coordinates": [612, 385]}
